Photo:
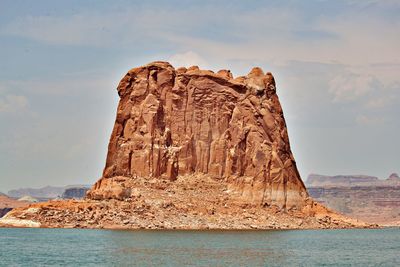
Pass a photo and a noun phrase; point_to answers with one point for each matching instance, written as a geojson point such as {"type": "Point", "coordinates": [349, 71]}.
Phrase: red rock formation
{"type": "Point", "coordinates": [174, 123]}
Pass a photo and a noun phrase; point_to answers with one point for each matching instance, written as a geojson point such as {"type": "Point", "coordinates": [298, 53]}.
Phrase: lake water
{"type": "Point", "coordinates": [75, 247]}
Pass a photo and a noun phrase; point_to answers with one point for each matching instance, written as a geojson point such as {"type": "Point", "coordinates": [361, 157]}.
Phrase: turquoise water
{"type": "Point", "coordinates": [75, 247]}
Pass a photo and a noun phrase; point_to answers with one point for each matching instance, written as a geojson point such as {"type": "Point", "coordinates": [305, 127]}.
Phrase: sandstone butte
{"type": "Point", "coordinates": [193, 149]}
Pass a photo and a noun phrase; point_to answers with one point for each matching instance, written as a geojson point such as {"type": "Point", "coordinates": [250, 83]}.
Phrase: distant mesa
{"type": "Point", "coordinates": [360, 196]}
{"type": "Point", "coordinates": [44, 193]}
{"type": "Point", "coordinates": [47, 192]}
{"type": "Point", "coordinates": [317, 180]}
{"type": "Point", "coordinates": [75, 193]}
{"type": "Point", "coordinates": [394, 177]}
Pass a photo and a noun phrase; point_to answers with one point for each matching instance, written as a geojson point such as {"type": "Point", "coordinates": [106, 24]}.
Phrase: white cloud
{"type": "Point", "coordinates": [188, 59]}
{"type": "Point", "coordinates": [60, 85]}
{"type": "Point", "coordinates": [370, 120]}
{"type": "Point", "coordinates": [363, 38]}
{"type": "Point", "coordinates": [273, 34]}
{"type": "Point", "coordinates": [380, 3]}
{"type": "Point", "coordinates": [93, 29]}
{"type": "Point", "coordinates": [349, 86]}
{"type": "Point", "coordinates": [13, 103]}
{"type": "Point", "coordinates": [380, 102]}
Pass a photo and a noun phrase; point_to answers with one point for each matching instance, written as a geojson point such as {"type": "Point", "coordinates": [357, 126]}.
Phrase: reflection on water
{"type": "Point", "coordinates": [199, 248]}
{"type": "Point", "coordinates": [186, 256]}
{"type": "Point", "coordinates": [74, 247]}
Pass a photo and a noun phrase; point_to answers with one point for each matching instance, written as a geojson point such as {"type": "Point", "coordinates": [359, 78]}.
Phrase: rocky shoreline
{"type": "Point", "coordinates": [160, 204]}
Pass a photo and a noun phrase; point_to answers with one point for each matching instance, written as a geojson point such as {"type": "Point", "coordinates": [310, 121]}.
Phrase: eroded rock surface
{"type": "Point", "coordinates": [173, 123]}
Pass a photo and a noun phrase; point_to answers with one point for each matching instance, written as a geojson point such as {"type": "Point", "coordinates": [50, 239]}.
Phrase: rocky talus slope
{"type": "Point", "coordinates": [193, 149]}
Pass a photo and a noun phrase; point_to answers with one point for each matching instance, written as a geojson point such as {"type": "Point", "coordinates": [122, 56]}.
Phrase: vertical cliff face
{"type": "Point", "coordinates": [172, 123]}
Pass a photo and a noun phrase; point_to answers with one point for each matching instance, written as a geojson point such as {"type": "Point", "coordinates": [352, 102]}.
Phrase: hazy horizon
{"type": "Point", "coordinates": [336, 65]}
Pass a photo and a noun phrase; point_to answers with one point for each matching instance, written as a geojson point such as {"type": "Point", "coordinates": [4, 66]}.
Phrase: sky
{"type": "Point", "coordinates": [336, 65]}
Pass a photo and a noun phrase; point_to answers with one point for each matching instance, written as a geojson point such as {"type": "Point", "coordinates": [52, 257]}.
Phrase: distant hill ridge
{"type": "Point", "coordinates": [360, 196]}
{"type": "Point", "coordinates": [44, 192]}
{"type": "Point", "coordinates": [318, 180]}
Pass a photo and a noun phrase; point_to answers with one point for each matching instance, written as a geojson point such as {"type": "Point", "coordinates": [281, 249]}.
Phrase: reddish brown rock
{"type": "Point", "coordinates": [112, 188]}
{"type": "Point", "coordinates": [174, 123]}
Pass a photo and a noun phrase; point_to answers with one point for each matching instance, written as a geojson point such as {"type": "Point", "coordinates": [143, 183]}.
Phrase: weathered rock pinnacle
{"type": "Point", "coordinates": [179, 122]}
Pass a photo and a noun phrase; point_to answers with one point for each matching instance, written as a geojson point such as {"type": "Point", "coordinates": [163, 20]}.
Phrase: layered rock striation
{"type": "Point", "coordinates": [363, 197]}
{"type": "Point", "coordinates": [174, 123]}
{"type": "Point", "coordinates": [317, 180]}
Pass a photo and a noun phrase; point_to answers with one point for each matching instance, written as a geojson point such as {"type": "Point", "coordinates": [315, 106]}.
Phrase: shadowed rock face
{"type": "Point", "coordinates": [180, 122]}
{"type": "Point", "coordinates": [75, 193]}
